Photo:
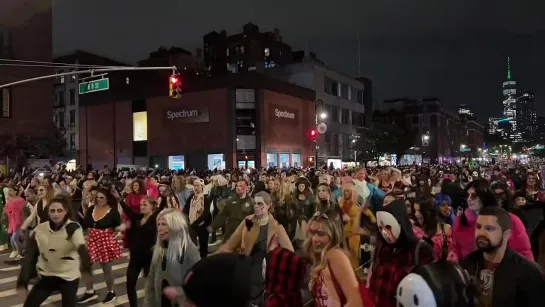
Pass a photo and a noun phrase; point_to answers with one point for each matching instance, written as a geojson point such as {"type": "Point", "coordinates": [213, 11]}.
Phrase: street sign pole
{"type": "Point", "coordinates": [89, 71]}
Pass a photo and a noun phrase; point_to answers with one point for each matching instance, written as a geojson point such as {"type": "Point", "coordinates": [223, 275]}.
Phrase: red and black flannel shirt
{"type": "Point", "coordinates": [390, 266]}
{"type": "Point", "coordinates": [284, 277]}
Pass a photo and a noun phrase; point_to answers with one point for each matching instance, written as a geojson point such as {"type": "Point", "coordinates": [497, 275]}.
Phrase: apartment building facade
{"type": "Point", "coordinates": [66, 96]}
{"type": "Point", "coordinates": [345, 104]}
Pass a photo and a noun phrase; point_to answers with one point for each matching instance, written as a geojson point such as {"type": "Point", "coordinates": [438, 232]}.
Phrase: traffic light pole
{"type": "Point", "coordinates": [318, 103]}
{"type": "Point", "coordinates": [88, 71]}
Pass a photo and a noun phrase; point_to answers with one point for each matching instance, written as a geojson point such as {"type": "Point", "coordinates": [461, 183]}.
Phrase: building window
{"type": "Point", "coordinates": [360, 97]}
{"type": "Point", "coordinates": [72, 97]}
{"type": "Point", "coordinates": [335, 114]}
{"type": "Point", "coordinates": [267, 52]}
{"type": "Point", "coordinates": [284, 160]}
{"type": "Point", "coordinates": [242, 49]}
{"type": "Point", "coordinates": [227, 52]}
{"type": "Point", "coordinates": [345, 91]}
{"type": "Point", "coordinates": [296, 160]}
{"type": "Point", "coordinates": [245, 95]}
{"type": "Point", "coordinates": [176, 162]}
{"type": "Point", "coordinates": [72, 118]}
{"type": "Point", "coordinates": [5, 107]}
{"type": "Point", "coordinates": [272, 159]}
{"type": "Point", "coordinates": [72, 142]}
{"type": "Point", "coordinates": [331, 86]}
{"type": "Point", "coordinates": [61, 98]}
{"type": "Point", "coordinates": [61, 120]}
{"type": "Point", "coordinates": [345, 116]}
{"type": "Point", "coordinates": [216, 161]}
{"type": "Point", "coordinates": [140, 126]}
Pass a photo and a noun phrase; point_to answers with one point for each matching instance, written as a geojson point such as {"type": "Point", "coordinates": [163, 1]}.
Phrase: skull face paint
{"type": "Point", "coordinates": [388, 226]}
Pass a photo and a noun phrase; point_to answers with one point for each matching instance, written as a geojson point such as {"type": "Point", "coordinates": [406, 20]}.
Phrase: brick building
{"type": "Point", "coordinates": [26, 34]}
{"type": "Point", "coordinates": [227, 121]}
{"type": "Point", "coordinates": [449, 136]}
{"type": "Point", "coordinates": [250, 50]}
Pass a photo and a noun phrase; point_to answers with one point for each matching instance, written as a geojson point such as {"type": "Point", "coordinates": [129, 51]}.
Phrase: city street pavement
{"type": "Point", "coordinates": [10, 298]}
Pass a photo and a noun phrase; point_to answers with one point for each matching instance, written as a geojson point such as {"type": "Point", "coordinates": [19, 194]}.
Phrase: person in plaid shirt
{"type": "Point", "coordinates": [394, 256]}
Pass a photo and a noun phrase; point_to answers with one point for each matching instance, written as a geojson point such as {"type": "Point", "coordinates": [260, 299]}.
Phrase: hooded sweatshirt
{"type": "Point", "coordinates": [393, 261]}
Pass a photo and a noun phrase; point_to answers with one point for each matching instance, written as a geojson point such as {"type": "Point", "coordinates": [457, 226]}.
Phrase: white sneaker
{"type": "Point", "coordinates": [13, 254]}
{"type": "Point", "coordinates": [3, 247]}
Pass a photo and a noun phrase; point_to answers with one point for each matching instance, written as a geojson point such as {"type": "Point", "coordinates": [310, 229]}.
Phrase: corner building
{"type": "Point", "coordinates": [243, 120]}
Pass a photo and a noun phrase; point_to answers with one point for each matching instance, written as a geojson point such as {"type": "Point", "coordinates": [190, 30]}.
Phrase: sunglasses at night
{"type": "Point", "coordinates": [101, 197]}
{"type": "Point", "coordinates": [471, 195]}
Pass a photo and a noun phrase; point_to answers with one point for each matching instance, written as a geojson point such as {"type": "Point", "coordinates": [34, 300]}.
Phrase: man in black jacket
{"type": "Point", "coordinates": [501, 276]}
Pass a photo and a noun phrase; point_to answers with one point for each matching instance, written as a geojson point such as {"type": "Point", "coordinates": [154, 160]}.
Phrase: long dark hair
{"type": "Point", "coordinates": [428, 209]}
{"type": "Point", "coordinates": [482, 189]}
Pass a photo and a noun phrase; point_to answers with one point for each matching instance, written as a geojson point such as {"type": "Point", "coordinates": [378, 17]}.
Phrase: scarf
{"type": "Point", "coordinates": [196, 208]}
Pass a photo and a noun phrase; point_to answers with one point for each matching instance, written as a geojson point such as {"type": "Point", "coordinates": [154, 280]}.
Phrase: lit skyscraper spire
{"type": "Point", "coordinates": [508, 69]}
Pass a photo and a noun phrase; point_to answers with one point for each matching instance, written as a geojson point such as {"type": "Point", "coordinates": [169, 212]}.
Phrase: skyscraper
{"type": "Point", "coordinates": [526, 117]}
{"type": "Point", "coordinates": [509, 88]}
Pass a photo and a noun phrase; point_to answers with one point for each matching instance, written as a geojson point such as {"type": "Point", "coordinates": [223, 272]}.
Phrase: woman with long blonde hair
{"type": "Point", "coordinates": [350, 210]}
{"type": "Point", "coordinates": [173, 256]}
{"type": "Point", "coordinates": [284, 208]}
{"type": "Point", "coordinates": [333, 281]}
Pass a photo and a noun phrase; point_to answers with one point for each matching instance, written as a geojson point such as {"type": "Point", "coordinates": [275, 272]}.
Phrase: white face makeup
{"type": "Point", "coordinates": [414, 291]}
{"type": "Point", "coordinates": [260, 207]}
{"type": "Point", "coordinates": [388, 226]}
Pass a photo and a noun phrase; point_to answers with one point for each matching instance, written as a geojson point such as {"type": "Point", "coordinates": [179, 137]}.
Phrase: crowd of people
{"type": "Point", "coordinates": [435, 235]}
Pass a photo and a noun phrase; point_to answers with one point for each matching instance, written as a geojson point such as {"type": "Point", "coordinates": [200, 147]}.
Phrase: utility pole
{"type": "Point", "coordinates": [89, 71]}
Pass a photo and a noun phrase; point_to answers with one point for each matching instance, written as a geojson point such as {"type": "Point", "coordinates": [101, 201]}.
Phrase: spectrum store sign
{"type": "Point", "coordinates": [283, 115]}
{"type": "Point", "coordinates": [182, 115]}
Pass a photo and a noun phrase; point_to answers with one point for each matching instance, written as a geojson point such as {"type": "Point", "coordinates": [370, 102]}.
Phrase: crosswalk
{"type": "Point", "coordinates": [10, 298]}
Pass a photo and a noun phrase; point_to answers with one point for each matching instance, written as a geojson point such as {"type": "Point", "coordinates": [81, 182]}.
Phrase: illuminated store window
{"type": "Point", "coordinates": [140, 126]}
{"type": "Point", "coordinates": [296, 160]}
{"type": "Point", "coordinates": [216, 161]}
{"type": "Point", "coordinates": [176, 162]}
{"type": "Point", "coordinates": [284, 160]}
{"type": "Point", "coordinates": [272, 159]}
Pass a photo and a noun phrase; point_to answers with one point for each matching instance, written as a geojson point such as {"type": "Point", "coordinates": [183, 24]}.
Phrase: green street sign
{"type": "Point", "coordinates": [94, 86]}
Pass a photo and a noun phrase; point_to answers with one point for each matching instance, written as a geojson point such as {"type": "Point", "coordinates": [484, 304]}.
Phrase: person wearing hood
{"type": "Point", "coordinates": [439, 284]}
{"type": "Point", "coordinates": [394, 256]}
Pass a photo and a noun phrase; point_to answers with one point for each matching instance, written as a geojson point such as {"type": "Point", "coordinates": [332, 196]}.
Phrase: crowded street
{"type": "Point", "coordinates": [235, 154]}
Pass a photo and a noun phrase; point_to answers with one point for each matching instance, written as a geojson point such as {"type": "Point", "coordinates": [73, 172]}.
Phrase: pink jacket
{"type": "Point", "coordinates": [14, 212]}
{"type": "Point", "coordinates": [464, 236]}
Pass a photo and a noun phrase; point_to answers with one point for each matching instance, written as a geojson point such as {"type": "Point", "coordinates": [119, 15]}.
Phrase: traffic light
{"type": "Point", "coordinates": [175, 86]}
{"type": "Point", "coordinates": [313, 134]}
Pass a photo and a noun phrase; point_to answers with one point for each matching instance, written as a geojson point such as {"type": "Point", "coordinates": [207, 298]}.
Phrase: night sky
{"type": "Point", "coordinates": [455, 50]}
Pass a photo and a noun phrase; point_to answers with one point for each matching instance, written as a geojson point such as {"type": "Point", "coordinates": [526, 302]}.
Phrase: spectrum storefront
{"type": "Point", "coordinates": [258, 122]}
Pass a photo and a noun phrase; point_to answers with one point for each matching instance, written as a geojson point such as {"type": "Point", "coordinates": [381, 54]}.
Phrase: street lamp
{"type": "Point", "coordinates": [318, 106]}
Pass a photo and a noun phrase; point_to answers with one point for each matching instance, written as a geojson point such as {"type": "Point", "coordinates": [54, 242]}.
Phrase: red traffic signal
{"type": "Point", "coordinates": [313, 134]}
{"type": "Point", "coordinates": [175, 86]}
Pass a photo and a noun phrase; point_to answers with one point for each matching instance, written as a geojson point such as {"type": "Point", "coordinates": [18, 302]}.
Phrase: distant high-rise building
{"type": "Point", "coordinates": [250, 50]}
{"type": "Point", "coordinates": [465, 110]}
{"type": "Point", "coordinates": [526, 117]}
{"type": "Point", "coordinates": [493, 125]}
{"type": "Point", "coordinates": [509, 89]}
{"type": "Point", "coordinates": [540, 131]}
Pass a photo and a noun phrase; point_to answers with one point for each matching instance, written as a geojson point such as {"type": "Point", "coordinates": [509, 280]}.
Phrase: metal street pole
{"type": "Point", "coordinates": [88, 71]}
{"type": "Point", "coordinates": [318, 103]}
